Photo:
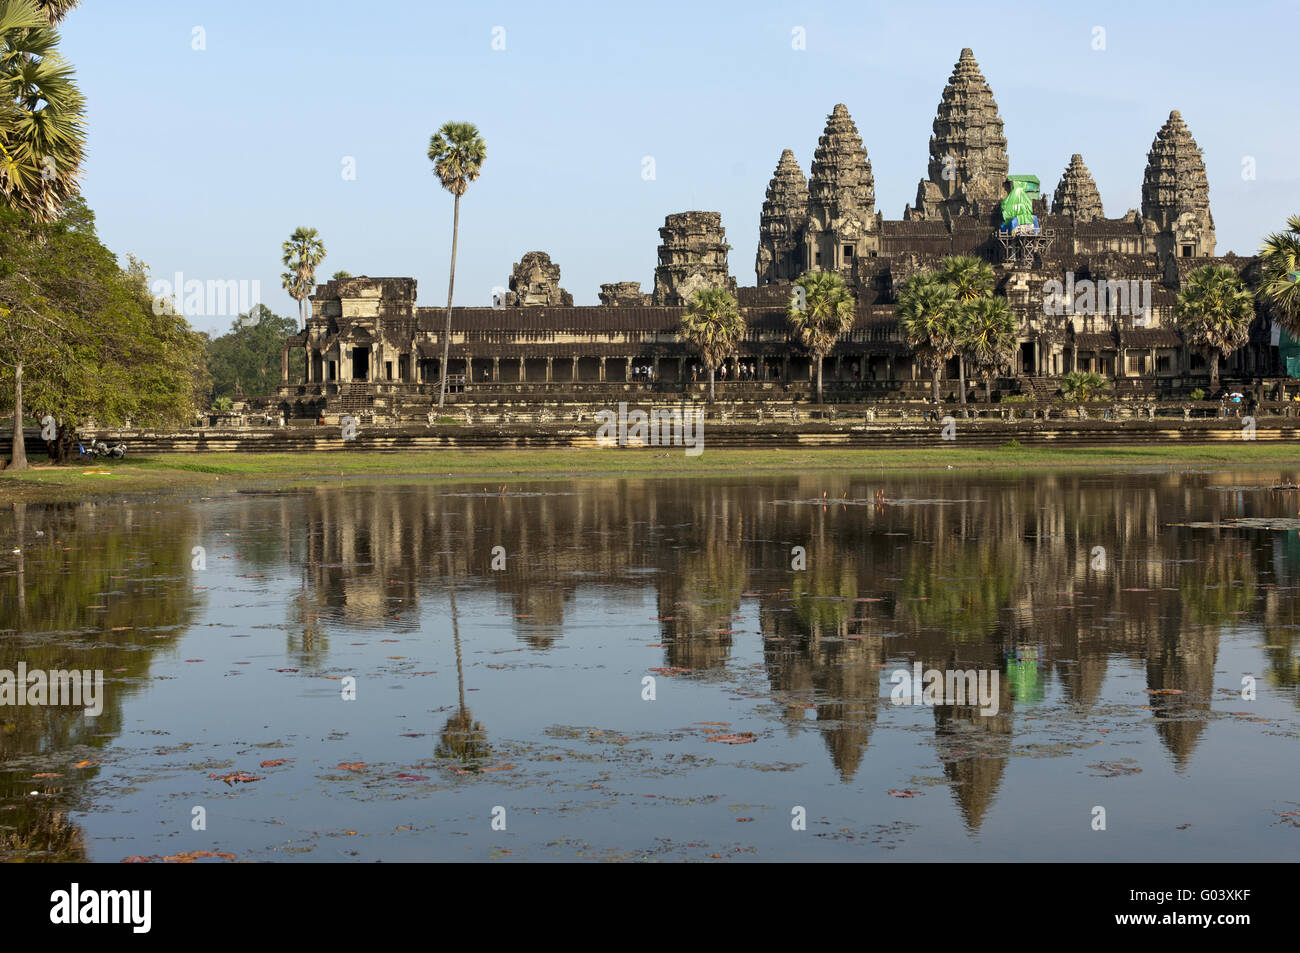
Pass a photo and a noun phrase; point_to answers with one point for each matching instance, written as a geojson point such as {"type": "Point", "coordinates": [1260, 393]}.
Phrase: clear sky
{"type": "Point", "coordinates": [203, 161]}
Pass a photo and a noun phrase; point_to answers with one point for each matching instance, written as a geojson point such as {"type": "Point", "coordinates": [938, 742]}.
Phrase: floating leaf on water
{"type": "Point", "coordinates": [236, 777]}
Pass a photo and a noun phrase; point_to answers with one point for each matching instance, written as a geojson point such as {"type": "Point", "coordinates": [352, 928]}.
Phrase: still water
{"type": "Point", "coordinates": [641, 670]}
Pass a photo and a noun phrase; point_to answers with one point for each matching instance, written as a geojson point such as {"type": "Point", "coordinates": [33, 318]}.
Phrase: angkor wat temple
{"type": "Point", "coordinates": [368, 346]}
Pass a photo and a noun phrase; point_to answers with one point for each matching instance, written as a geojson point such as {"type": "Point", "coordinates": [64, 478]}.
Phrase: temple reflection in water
{"type": "Point", "coordinates": [1048, 581]}
{"type": "Point", "coordinates": [1057, 582]}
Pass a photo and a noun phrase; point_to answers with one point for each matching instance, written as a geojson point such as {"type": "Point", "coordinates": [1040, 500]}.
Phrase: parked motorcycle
{"type": "Point", "coordinates": [98, 449]}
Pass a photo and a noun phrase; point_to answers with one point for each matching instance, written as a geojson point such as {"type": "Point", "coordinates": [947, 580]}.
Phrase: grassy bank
{"type": "Point", "coordinates": [191, 474]}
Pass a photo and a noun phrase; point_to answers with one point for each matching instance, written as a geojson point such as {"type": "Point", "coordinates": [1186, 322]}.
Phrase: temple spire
{"type": "Point", "coordinates": [1076, 193]}
{"type": "Point", "coordinates": [781, 224]}
{"type": "Point", "coordinates": [842, 196]}
{"type": "Point", "coordinates": [968, 151]}
{"type": "Point", "coordinates": [1175, 191]}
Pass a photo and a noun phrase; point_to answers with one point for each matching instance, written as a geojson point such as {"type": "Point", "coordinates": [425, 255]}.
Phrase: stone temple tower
{"type": "Point", "coordinates": [1076, 193]}
{"type": "Point", "coordinates": [1176, 193]}
{"type": "Point", "coordinates": [841, 222]}
{"type": "Point", "coordinates": [781, 225]}
{"type": "Point", "coordinates": [692, 255]}
{"type": "Point", "coordinates": [968, 151]}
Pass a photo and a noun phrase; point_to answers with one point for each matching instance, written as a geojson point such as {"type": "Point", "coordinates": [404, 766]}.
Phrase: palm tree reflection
{"type": "Point", "coordinates": [462, 737]}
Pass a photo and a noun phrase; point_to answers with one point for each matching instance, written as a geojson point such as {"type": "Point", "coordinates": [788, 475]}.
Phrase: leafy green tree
{"type": "Point", "coordinates": [246, 359]}
{"type": "Point", "coordinates": [988, 332]}
{"type": "Point", "coordinates": [457, 152]}
{"type": "Point", "coordinates": [341, 275]}
{"type": "Point", "coordinates": [820, 310]}
{"type": "Point", "coordinates": [93, 342]}
{"type": "Point", "coordinates": [1280, 281]}
{"type": "Point", "coordinates": [301, 254]}
{"type": "Point", "coordinates": [1214, 310]}
{"type": "Point", "coordinates": [927, 312]}
{"type": "Point", "coordinates": [713, 326]}
{"type": "Point", "coordinates": [42, 141]}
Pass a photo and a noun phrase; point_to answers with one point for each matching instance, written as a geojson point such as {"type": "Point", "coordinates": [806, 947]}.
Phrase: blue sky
{"type": "Point", "coordinates": [203, 161]}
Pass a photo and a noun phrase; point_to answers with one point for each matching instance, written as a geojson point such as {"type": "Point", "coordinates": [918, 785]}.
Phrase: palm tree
{"type": "Point", "coordinates": [1280, 281]}
{"type": "Point", "coordinates": [989, 337]}
{"type": "Point", "coordinates": [970, 279]}
{"type": "Point", "coordinates": [302, 253]}
{"type": "Point", "coordinates": [926, 310]}
{"type": "Point", "coordinates": [56, 10]}
{"type": "Point", "coordinates": [42, 115]}
{"type": "Point", "coordinates": [824, 313]}
{"type": "Point", "coordinates": [457, 153]}
{"type": "Point", "coordinates": [42, 143]}
{"type": "Point", "coordinates": [713, 326]}
{"type": "Point", "coordinates": [1214, 311]}
{"type": "Point", "coordinates": [1082, 386]}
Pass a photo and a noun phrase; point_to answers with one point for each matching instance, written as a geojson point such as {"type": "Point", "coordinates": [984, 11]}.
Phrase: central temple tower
{"type": "Point", "coordinates": [968, 151]}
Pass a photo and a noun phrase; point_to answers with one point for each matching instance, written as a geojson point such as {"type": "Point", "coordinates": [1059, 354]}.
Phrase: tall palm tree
{"type": "Point", "coordinates": [713, 326]}
{"type": "Point", "coordinates": [824, 313]}
{"type": "Point", "coordinates": [42, 143]}
{"type": "Point", "coordinates": [1280, 282]}
{"type": "Point", "coordinates": [42, 115]}
{"type": "Point", "coordinates": [989, 337]}
{"type": "Point", "coordinates": [926, 310]}
{"type": "Point", "coordinates": [457, 153]}
{"type": "Point", "coordinates": [302, 253]}
{"type": "Point", "coordinates": [970, 279]}
{"type": "Point", "coordinates": [1214, 310]}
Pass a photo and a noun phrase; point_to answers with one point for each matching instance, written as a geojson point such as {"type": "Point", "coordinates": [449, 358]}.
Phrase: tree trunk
{"type": "Point", "coordinates": [711, 371]}
{"type": "Point", "coordinates": [988, 389]}
{"type": "Point", "coordinates": [937, 369]}
{"type": "Point", "coordinates": [819, 378]}
{"type": "Point", "coordinates": [961, 372]}
{"type": "Point", "coordinates": [451, 285]}
{"type": "Point", "coordinates": [18, 458]}
{"type": "Point", "coordinates": [1214, 370]}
